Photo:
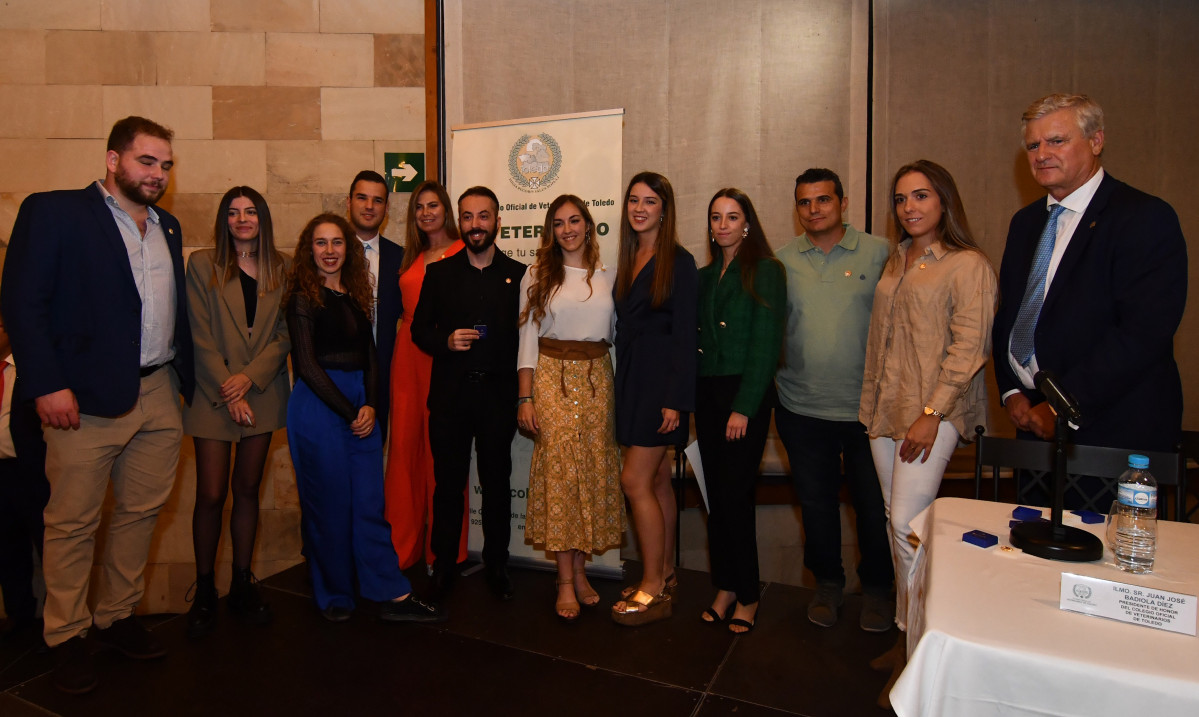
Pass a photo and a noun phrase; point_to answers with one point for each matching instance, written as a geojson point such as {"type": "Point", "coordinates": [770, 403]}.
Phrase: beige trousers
{"type": "Point", "coordinates": [139, 451]}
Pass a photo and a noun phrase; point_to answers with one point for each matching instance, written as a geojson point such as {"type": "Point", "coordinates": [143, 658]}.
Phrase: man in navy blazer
{"type": "Point", "coordinates": [367, 206]}
{"type": "Point", "coordinates": [94, 298]}
{"type": "Point", "coordinates": [1112, 293]}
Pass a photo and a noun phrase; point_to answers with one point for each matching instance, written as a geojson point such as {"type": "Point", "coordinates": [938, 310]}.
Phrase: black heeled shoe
{"type": "Point", "coordinates": [245, 600]}
{"type": "Point", "coordinates": [201, 617]}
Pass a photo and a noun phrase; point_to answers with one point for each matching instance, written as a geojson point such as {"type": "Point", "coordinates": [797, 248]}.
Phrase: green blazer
{"type": "Point", "coordinates": [741, 335]}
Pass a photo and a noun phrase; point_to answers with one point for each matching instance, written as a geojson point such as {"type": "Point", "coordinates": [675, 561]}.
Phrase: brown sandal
{"type": "Point", "coordinates": [588, 597]}
{"type": "Point", "coordinates": [562, 606]}
{"type": "Point", "coordinates": [641, 608]}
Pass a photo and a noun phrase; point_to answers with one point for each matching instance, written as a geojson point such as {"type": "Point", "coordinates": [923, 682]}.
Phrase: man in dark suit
{"type": "Point", "coordinates": [1093, 286]}
{"type": "Point", "coordinates": [94, 298]}
{"type": "Point", "coordinates": [466, 319]}
{"type": "Point", "coordinates": [367, 207]}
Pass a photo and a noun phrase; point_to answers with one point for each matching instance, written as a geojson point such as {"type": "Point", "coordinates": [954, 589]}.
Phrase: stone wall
{"type": "Point", "coordinates": [292, 97]}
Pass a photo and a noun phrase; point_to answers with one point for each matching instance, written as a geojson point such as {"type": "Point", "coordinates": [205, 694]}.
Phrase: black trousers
{"type": "Point", "coordinates": [24, 491]}
{"type": "Point", "coordinates": [486, 417]}
{"type": "Point", "coordinates": [815, 449]}
{"type": "Point", "coordinates": [731, 473]}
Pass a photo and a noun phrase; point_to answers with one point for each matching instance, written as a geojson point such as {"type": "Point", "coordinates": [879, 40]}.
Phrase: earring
{"type": "Point", "coordinates": [745, 232]}
{"type": "Point", "coordinates": [587, 237]}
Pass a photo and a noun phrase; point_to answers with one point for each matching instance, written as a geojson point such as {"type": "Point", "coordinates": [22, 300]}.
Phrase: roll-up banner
{"type": "Point", "coordinates": [528, 163]}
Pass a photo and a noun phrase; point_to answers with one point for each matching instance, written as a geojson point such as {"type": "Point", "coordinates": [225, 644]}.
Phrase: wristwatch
{"type": "Point", "coordinates": [932, 412]}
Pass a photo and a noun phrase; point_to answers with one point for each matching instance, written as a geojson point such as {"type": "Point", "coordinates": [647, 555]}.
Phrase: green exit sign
{"type": "Point", "coordinates": [404, 170]}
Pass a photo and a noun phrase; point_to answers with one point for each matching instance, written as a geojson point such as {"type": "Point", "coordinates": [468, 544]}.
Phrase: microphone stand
{"type": "Point", "coordinates": [1052, 540]}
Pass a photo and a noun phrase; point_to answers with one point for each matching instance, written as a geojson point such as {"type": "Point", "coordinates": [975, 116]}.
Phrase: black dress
{"type": "Point", "coordinates": [656, 357]}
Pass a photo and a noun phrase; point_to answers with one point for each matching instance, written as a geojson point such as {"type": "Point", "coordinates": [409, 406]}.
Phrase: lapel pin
{"type": "Point", "coordinates": [172, 231]}
{"type": "Point", "coordinates": [1092, 225]}
{"type": "Point", "coordinates": [848, 274]}
{"type": "Point", "coordinates": [508, 280]}
{"type": "Point", "coordinates": [922, 265]}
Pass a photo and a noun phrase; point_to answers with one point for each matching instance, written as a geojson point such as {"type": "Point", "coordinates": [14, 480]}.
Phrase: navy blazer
{"type": "Point", "coordinates": [71, 305]}
{"type": "Point", "coordinates": [1108, 322]}
{"type": "Point", "coordinates": [391, 258]}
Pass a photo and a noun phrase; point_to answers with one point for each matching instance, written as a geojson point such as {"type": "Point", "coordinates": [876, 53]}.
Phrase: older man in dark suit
{"type": "Point", "coordinates": [94, 298]}
{"type": "Point", "coordinates": [1093, 285]}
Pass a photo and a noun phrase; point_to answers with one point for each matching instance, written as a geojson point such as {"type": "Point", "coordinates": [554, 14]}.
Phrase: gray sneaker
{"type": "Point", "coordinates": [823, 608]}
{"type": "Point", "coordinates": [878, 612]}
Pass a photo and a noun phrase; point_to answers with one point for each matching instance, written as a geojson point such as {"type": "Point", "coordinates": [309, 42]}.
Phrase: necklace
{"type": "Point", "coordinates": [247, 255]}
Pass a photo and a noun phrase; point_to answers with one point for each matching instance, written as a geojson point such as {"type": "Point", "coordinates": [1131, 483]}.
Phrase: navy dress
{"type": "Point", "coordinates": [655, 356]}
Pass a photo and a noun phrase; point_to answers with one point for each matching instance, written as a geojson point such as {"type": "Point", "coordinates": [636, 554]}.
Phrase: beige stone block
{"type": "Point", "coordinates": [333, 203]}
{"type": "Point", "coordinates": [50, 14]}
{"type": "Point", "coordinates": [154, 15]}
{"type": "Point", "coordinates": [278, 470]}
{"type": "Point", "coordinates": [266, 112]}
{"type": "Point", "coordinates": [265, 15]}
{"type": "Point", "coordinates": [10, 203]}
{"type": "Point", "coordinates": [399, 60]}
{"type": "Point", "coordinates": [172, 538]}
{"type": "Point", "coordinates": [395, 16]}
{"type": "Point", "coordinates": [283, 479]}
{"type": "Point", "coordinates": [290, 213]}
{"type": "Point", "coordinates": [183, 493]}
{"type": "Point", "coordinates": [51, 164]}
{"type": "Point", "coordinates": [186, 110]}
{"type": "Point", "coordinates": [278, 534]}
{"type": "Point", "coordinates": [373, 113]}
{"type": "Point", "coordinates": [341, 161]}
{"type": "Point", "coordinates": [23, 61]}
{"type": "Point", "coordinates": [263, 569]}
{"type": "Point", "coordinates": [210, 58]}
{"type": "Point", "coordinates": [196, 214]}
{"type": "Point", "coordinates": [293, 166]}
{"type": "Point", "coordinates": [213, 166]}
{"type": "Point", "coordinates": [100, 58]}
{"type": "Point", "coordinates": [157, 598]}
{"type": "Point", "coordinates": [51, 111]}
{"type": "Point", "coordinates": [318, 60]}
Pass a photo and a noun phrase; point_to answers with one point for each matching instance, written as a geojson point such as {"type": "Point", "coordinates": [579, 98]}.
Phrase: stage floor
{"type": "Point", "coordinates": [490, 658]}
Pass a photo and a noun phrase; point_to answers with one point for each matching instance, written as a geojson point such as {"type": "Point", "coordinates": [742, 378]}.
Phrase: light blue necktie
{"type": "Point", "coordinates": [1034, 294]}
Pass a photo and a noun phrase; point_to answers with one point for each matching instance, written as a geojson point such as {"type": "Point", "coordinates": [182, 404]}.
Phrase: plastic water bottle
{"type": "Point", "coordinates": [1136, 527]}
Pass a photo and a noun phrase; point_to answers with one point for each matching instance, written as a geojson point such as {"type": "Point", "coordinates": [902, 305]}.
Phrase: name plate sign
{"type": "Point", "coordinates": [1134, 604]}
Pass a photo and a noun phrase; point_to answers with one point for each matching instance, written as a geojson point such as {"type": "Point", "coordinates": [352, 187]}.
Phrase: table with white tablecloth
{"type": "Point", "coordinates": [986, 635]}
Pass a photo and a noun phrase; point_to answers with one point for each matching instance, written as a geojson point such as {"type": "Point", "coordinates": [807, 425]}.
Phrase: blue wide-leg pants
{"type": "Point", "coordinates": [339, 478]}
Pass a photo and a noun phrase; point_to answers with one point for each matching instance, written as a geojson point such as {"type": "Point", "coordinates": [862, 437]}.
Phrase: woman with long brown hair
{"type": "Point", "coordinates": [336, 449]}
{"type": "Point", "coordinates": [566, 400]}
{"type": "Point", "coordinates": [241, 344]}
{"type": "Point", "coordinates": [432, 235]}
{"type": "Point", "coordinates": [930, 335]}
{"type": "Point", "coordinates": [742, 304]}
{"type": "Point", "coordinates": [656, 290]}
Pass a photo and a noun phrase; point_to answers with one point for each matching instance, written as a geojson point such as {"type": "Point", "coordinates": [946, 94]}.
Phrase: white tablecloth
{"type": "Point", "coordinates": [990, 639]}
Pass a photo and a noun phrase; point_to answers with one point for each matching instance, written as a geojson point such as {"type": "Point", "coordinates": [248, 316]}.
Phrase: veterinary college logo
{"type": "Point", "coordinates": [534, 162]}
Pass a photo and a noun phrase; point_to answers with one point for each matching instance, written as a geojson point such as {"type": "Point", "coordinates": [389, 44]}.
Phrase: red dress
{"type": "Point", "coordinates": [408, 484]}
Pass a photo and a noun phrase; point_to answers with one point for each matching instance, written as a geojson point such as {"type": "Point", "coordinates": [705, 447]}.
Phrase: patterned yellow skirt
{"type": "Point", "coordinates": [574, 499]}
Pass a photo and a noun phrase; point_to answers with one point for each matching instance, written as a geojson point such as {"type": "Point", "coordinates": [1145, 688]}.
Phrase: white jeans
{"type": "Point", "coordinates": [909, 488]}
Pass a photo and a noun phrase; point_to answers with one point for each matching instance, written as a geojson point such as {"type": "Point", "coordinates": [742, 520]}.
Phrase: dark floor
{"type": "Point", "coordinates": [491, 658]}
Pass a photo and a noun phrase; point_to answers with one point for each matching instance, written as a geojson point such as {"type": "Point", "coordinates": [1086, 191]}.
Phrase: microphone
{"type": "Point", "coordinates": [1058, 398]}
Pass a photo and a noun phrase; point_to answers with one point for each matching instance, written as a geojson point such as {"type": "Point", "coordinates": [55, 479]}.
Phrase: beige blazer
{"type": "Point", "coordinates": [224, 346]}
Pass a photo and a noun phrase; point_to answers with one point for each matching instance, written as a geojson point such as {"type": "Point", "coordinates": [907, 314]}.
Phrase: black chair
{"type": "Point", "coordinates": [1031, 463]}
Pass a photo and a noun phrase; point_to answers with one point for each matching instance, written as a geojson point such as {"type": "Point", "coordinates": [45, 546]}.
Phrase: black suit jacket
{"type": "Point", "coordinates": [389, 308]}
{"type": "Point", "coordinates": [445, 305]}
{"type": "Point", "coordinates": [1108, 322]}
{"type": "Point", "coordinates": [71, 306]}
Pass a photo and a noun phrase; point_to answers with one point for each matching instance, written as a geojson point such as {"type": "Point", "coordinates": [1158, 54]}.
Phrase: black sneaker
{"type": "Point", "coordinates": [74, 669]}
{"type": "Point", "coordinates": [245, 599]}
{"type": "Point", "coordinates": [131, 639]}
{"type": "Point", "coordinates": [411, 609]}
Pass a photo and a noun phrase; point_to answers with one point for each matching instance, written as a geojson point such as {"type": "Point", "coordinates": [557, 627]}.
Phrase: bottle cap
{"type": "Point", "coordinates": [1138, 461]}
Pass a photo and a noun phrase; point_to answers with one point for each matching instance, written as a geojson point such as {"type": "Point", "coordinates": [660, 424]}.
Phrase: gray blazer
{"type": "Point", "coordinates": [224, 345]}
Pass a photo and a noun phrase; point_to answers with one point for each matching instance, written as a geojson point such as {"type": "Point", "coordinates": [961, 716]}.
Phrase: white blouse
{"type": "Point", "coordinates": [575, 312]}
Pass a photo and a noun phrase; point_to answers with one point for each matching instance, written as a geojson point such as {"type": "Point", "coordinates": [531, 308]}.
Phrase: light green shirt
{"type": "Point", "coordinates": [828, 318]}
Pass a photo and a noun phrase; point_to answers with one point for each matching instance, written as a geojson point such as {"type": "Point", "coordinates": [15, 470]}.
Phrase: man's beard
{"type": "Point", "coordinates": [488, 240]}
{"type": "Point", "coordinates": [137, 192]}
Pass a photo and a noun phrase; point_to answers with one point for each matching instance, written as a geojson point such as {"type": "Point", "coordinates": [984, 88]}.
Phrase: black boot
{"type": "Point", "coordinates": [201, 618]}
{"type": "Point", "coordinates": [245, 600]}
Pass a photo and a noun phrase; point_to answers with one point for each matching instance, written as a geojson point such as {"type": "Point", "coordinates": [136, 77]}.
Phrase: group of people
{"type": "Point", "coordinates": [868, 352]}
